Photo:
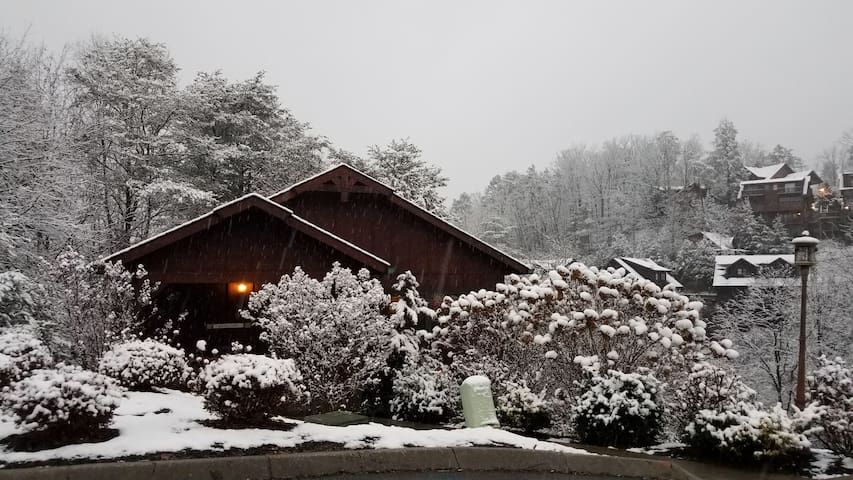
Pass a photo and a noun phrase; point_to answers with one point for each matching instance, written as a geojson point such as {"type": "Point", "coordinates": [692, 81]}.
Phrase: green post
{"type": "Point", "coordinates": [478, 407]}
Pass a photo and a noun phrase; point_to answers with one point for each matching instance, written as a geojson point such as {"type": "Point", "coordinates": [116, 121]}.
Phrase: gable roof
{"type": "Point", "coordinates": [345, 178]}
{"type": "Point", "coordinates": [723, 262]}
{"type": "Point", "coordinates": [242, 204]}
{"type": "Point", "coordinates": [807, 177]}
{"type": "Point", "coordinates": [628, 263]}
{"type": "Point", "coordinates": [770, 171]}
{"type": "Point", "coordinates": [720, 241]}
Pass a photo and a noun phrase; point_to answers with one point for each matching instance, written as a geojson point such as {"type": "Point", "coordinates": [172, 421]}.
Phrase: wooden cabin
{"type": "Point", "coordinates": [777, 190]}
{"type": "Point", "coordinates": [735, 273]}
{"type": "Point", "coordinates": [208, 266]}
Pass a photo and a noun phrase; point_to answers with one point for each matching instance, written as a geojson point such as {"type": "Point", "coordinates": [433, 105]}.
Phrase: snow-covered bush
{"type": "Point", "coordinates": [745, 433]}
{"type": "Point", "coordinates": [63, 402]}
{"type": "Point", "coordinates": [522, 408]}
{"type": "Point", "coordinates": [536, 326]}
{"type": "Point", "coordinates": [706, 387]}
{"type": "Point", "coordinates": [248, 388]}
{"type": "Point", "coordinates": [97, 305]}
{"type": "Point", "coordinates": [618, 409]}
{"type": "Point", "coordinates": [21, 353]}
{"type": "Point", "coordinates": [334, 328]}
{"type": "Point", "coordinates": [424, 391]}
{"type": "Point", "coordinates": [831, 386]}
{"type": "Point", "coordinates": [22, 301]}
{"type": "Point", "coordinates": [143, 364]}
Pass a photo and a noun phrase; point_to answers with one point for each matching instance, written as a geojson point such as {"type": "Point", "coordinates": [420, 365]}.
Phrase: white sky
{"type": "Point", "coordinates": [484, 87]}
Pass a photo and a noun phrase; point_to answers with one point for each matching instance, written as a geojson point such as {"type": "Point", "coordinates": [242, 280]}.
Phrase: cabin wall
{"type": "Point", "coordinates": [251, 246]}
{"type": "Point", "coordinates": [443, 264]}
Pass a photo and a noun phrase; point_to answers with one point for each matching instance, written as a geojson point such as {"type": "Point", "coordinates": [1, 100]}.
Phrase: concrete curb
{"type": "Point", "coordinates": [316, 464]}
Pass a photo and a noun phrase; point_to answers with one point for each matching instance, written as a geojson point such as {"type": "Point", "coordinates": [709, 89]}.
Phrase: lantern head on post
{"type": "Point", "coordinates": [805, 248]}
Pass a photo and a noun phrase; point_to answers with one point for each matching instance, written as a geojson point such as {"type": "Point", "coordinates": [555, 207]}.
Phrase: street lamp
{"type": "Point", "coordinates": [805, 247]}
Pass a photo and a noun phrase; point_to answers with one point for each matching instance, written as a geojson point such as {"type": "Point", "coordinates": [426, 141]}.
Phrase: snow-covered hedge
{"type": "Point", "coordinates": [522, 408]}
{"type": "Point", "coordinates": [66, 401]}
{"type": "Point", "coordinates": [21, 353]}
{"type": "Point", "coordinates": [425, 392]}
{"type": "Point", "coordinates": [334, 326]}
{"type": "Point", "coordinates": [536, 325]}
{"type": "Point", "coordinates": [706, 387]}
{"type": "Point", "coordinates": [22, 301]}
{"type": "Point", "coordinates": [831, 386]}
{"type": "Point", "coordinates": [143, 364]}
{"type": "Point", "coordinates": [249, 388]}
{"type": "Point", "coordinates": [618, 409]}
{"type": "Point", "coordinates": [746, 433]}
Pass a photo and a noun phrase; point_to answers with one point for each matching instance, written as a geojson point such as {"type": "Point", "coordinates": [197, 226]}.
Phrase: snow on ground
{"type": "Point", "coordinates": [142, 430]}
{"type": "Point", "coordinates": [662, 448]}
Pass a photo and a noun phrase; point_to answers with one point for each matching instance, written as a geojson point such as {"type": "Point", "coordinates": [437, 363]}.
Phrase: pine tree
{"type": "Point", "coordinates": [725, 164]}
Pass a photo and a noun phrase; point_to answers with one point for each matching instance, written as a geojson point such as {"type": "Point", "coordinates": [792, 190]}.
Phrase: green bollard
{"type": "Point", "coordinates": [478, 407]}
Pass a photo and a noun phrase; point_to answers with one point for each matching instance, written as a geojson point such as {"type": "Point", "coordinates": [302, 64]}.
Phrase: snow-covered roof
{"type": "Point", "coordinates": [804, 176]}
{"type": "Point", "coordinates": [723, 262]}
{"type": "Point", "coordinates": [215, 215]}
{"type": "Point", "coordinates": [628, 264]}
{"type": "Point", "coordinates": [722, 242]}
{"type": "Point", "coordinates": [766, 172]}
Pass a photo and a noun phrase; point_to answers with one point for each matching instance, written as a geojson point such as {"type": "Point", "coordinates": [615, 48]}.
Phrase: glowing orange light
{"type": "Point", "coordinates": [242, 287]}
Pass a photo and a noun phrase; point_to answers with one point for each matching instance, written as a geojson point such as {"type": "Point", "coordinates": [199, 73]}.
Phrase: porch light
{"type": "Point", "coordinates": [239, 288]}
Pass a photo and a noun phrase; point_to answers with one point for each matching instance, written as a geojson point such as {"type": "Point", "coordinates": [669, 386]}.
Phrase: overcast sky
{"type": "Point", "coordinates": [486, 87]}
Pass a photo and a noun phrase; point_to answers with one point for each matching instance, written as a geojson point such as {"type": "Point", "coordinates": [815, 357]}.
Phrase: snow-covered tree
{"type": "Point", "coordinates": [96, 306]}
{"type": "Point", "coordinates": [126, 105]}
{"type": "Point", "coordinates": [831, 386]}
{"type": "Point", "coordinates": [22, 301]}
{"type": "Point", "coordinates": [694, 265]}
{"type": "Point", "coordinates": [239, 139]}
{"type": "Point", "coordinates": [400, 165]}
{"type": "Point", "coordinates": [536, 327]}
{"type": "Point", "coordinates": [725, 164]}
{"type": "Point", "coordinates": [334, 328]}
{"type": "Point", "coordinates": [40, 202]}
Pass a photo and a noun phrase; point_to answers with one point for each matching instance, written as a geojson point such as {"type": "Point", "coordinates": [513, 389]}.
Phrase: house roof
{"type": "Point", "coordinates": [242, 204]}
{"type": "Point", "coordinates": [628, 263]}
{"type": "Point", "coordinates": [353, 180]}
{"type": "Point", "coordinates": [722, 242]}
{"type": "Point", "coordinates": [807, 177]}
{"type": "Point", "coordinates": [723, 262]}
{"type": "Point", "coordinates": [766, 172]}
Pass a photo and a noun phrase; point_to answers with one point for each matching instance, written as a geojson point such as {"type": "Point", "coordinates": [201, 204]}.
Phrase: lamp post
{"type": "Point", "coordinates": [805, 247]}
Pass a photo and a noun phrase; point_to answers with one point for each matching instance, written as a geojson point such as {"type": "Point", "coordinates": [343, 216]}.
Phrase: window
{"type": "Point", "coordinates": [790, 188]}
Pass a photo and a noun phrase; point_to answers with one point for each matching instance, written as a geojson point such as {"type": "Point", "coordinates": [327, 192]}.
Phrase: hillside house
{"type": "Point", "coordinates": [646, 268]}
{"type": "Point", "coordinates": [777, 190]}
{"type": "Point", "coordinates": [734, 273]}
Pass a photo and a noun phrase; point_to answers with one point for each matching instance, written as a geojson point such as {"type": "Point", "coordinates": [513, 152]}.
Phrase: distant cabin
{"type": "Point", "coordinates": [208, 266]}
{"type": "Point", "coordinates": [646, 268]}
{"type": "Point", "coordinates": [735, 273]}
{"type": "Point", "coordinates": [777, 190]}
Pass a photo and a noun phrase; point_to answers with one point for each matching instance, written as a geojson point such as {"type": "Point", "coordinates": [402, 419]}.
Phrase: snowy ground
{"type": "Point", "coordinates": [142, 431]}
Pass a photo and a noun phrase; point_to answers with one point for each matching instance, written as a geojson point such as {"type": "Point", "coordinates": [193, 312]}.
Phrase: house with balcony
{"type": "Point", "coordinates": [778, 191]}
{"type": "Point", "coordinates": [646, 268]}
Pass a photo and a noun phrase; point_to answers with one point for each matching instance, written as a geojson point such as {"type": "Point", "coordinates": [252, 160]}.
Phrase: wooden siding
{"type": "Point", "coordinates": [250, 246]}
{"type": "Point", "coordinates": [443, 264]}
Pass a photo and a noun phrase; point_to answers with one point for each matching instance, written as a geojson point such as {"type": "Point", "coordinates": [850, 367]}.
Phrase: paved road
{"type": "Point", "coordinates": [468, 476]}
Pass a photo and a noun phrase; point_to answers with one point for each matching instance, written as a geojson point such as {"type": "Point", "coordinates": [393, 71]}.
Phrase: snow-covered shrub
{"type": "Point", "coordinates": [424, 391]}
{"type": "Point", "coordinates": [536, 325]}
{"type": "Point", "coordinates": [745, 433]}
{"type": "Point", "coordinates": [62, 402]}
{"type": "Point", "coordinates": [97, 305]}
{"type": "Point", "coordinates": [618, 409]}
{"type": "Point", "coordinates": [831, 386]}
{"type": "Point", "coordinates": [21, 353]}
{"type": "Point", "coordinates": [706, 387]}
{"type": "Point", "coordinates": [22, 301]}
{"type": "Point", "coordinates": [334, 328]}
{"type": "Point", "coordinates": [522, 408]}
{"type": "Point", "coordinates": [143, 364]}
{"type": "Point", "coordinates": [249, 388]}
